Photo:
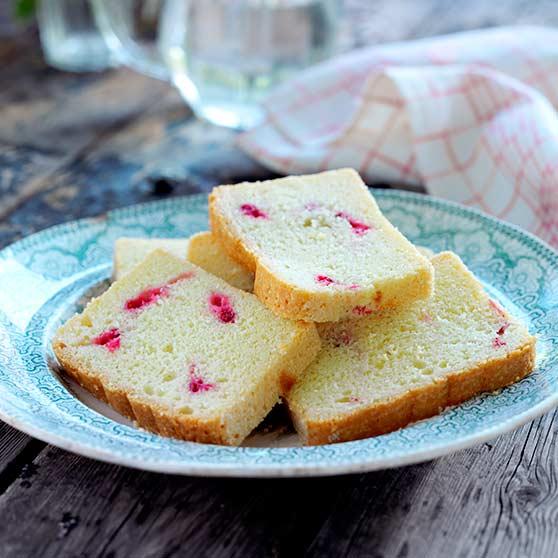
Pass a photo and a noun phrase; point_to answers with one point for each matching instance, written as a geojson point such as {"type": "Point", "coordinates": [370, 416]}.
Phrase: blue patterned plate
{"type": "Point", "coordinates": [48, 276]}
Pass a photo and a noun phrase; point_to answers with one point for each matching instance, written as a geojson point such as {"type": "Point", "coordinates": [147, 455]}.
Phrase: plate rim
{"type": "Point", "coordinates": [260, 470]}
{"type": "Point", "coordinates": [217, 470]}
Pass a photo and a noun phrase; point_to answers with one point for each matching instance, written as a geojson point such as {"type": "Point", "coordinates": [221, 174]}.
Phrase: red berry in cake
{"type": "Point", "coordinates": [221, 307]}
{"type": "Point", "coordinates": [145, 298]}
{"type": "Point", "coordinates": [362, 310]}
{"type": "Point", "coordinates": [152, 295]}
{"type": "Point", "coordinates": [325, 280]}
{"type": "Point", "coordinates": [358, 227]}
{"type": "Point", "coordinates": [502, 330]}
{"type": "Point", "coordinates": [497, 343]}
{"type": "Point", "coordinates": [251, 210]}
{"type": "Point", "coordinates": [197, 384]}
{"type": "Point", "coordinates": [109, 339]}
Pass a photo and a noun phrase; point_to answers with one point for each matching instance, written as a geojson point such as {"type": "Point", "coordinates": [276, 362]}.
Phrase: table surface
{"type": "Point", "coordinates": [76, 145]}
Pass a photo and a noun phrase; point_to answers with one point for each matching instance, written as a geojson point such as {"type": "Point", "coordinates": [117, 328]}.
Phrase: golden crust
{"type": "Point", "coordinates": [297, 304]}
{"type": "Point", "coordinates": [419, 403]}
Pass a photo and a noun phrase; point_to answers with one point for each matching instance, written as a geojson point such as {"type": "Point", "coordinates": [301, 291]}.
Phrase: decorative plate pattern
{"type": "Point", "coordinates": [47, 276]}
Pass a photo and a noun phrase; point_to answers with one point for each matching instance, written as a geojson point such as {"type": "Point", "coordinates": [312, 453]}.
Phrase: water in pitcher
{"type": "Point", "coordinates": [232, 53]}
{"type": "Point", "coordinates": [70, 37]}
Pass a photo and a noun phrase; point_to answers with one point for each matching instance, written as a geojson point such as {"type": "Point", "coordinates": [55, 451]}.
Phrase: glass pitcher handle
{"type": "Point", "coordinates": [115, 21]}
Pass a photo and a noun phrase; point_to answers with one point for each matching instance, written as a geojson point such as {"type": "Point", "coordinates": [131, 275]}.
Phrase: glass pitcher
{"type": "Point", "coordinates": [224, 56]}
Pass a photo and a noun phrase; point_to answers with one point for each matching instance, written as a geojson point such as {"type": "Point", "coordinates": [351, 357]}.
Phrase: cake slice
{"type": "Point", "coordinates": [319, 246]}
{"type": "Point", "coordinates": [129, 252]}
{"type": "Point", "coordinates": [201, 249]}
{"type": "Point", "coordinates": [206, 252]}
{"type": "Point", "coordinates": [183, 353]}
{"type": "Point", "coordinates": [376, 375]}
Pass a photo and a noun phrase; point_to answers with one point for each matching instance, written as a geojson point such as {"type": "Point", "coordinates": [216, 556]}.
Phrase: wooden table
{"type": "Point", "coordinates": [78, 145]}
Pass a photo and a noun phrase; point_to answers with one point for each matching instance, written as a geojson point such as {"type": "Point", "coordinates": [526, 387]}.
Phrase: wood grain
{"type": "Point", "coordinates": [74, 145]}
{"type": "Point", "coordinates": [17, 451]}
{"type": "Point", "coordinates": [495, 499]}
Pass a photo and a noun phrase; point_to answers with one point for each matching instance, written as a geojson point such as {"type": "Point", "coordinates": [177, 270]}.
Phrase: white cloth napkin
{"type": "Point", "coordinates": [470, 116]}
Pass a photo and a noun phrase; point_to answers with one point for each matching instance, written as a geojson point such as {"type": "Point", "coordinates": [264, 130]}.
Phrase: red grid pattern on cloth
{"type": "Point", "coordinates": [464, 115]}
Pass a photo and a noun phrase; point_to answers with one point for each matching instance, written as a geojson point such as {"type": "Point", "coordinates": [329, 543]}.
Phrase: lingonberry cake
{"type": "Point", "coordinates": [373, 376]}
{"type": "Point", "coordinates": [201, 249]}
{"type": "Point", "coordinates": [183, 353]}
{"type": "Point", "coordinates": [319, 246]}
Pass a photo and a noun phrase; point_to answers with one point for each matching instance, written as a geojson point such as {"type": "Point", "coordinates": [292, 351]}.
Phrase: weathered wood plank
{"type": "Point", "coordinates": [62, 111]}
{"type": "Point", "coordinates": [17, 451]}
{"type": "Point", "coordinates": [51, 119]}
{"type": "Point", "coordinates": [28, 128]}
{"type": "Point", "coordinates": [125, 167]}
{"type": "Point", "coordinates": [23, 172]}
{"type": "Point", "coordinates": [117, 512]}
{"type": "Point", "coordinates": [498, 499]}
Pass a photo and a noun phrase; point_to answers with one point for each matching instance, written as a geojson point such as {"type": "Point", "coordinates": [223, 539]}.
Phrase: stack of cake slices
{"type": "Point", "coordinates": [303, 292]}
